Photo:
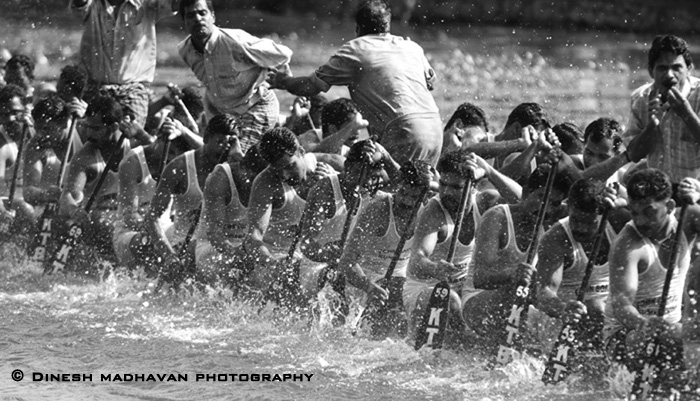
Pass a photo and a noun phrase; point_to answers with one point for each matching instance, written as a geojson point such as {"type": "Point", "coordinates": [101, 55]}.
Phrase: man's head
{"type": "Point", "coordinates": [220, 130]}
{"type": "Point", "coordinates": [12, 107]}
{"type": "Point", "coordinates": [571, 138]}
{"type": "Point", "coordinates": [583, 208]}
{"type": "Point", "coordinates": [20, 71]}
{"type": "Point", "coordinates": [336, 115]}
{"type": "Point", "coordinates": [50, 117]}
{"type": "Point", "coordinates": [414, 179]}
{"type": "Point", "coordinates": [469, 122]}
{"type": "Point", "coordinates": [71, 83]}
{"type": "Point", "coordinates": [601, 141]}
{"type": "Point", "coordinates": [453, 178]}
{"type": "Point", "coordinates": [523, 115]}
{"type": "Point", "coordinates": [103, 116]}
{"type": "Point", "coordinates": [650, 202]}
{"type": "Point", "coordinates": [669, 63]}
{"type": "Point", "coordinates": [373, 16]}
{"type": "Point", "coordinates": [199, 18]}
{"type": "Point", "coordinates": [253, 161]}
{"type": "Point", "coordinates": [280, 148]}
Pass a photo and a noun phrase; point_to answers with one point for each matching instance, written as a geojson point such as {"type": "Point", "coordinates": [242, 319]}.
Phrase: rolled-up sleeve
{"type": "Point", "coordinates": [340, 70]}
{"type": "Point", "coordinates": [266, 53]}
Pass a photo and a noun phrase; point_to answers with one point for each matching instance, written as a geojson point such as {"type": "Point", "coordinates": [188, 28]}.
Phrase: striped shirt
{"type": "Point", "coordinates": [233, 68]}
{"type": "Point", "coordinates": [119, 43]}
{"type": "Point", "coordinates": [676, 152]}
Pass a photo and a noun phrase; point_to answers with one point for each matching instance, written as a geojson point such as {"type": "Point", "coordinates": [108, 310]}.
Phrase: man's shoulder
{"type": "Point", "coordinates": [642, 91]}
{"type": "Point", "coordinates": [238, 35]}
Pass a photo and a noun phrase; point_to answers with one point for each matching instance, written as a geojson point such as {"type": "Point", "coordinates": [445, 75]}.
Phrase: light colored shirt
{"type": "Point", "coordinates": [675, 152]}
{"type": "Point", "coordinates": [388, 77]}
{"type": "Point", "coordinates": [233, 68]}
{"type": "Point", "coordinates": [119, 43]}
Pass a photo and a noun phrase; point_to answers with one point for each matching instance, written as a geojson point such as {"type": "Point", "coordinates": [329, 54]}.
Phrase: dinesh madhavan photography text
{"type": "Point", "coordinates": [19, 375]}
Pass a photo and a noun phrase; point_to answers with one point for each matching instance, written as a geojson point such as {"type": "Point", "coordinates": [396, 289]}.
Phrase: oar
{"type": "Point", "coordinates": [285, 288]}
{"type": "Point", "coordinates": [177, 95]}
{"type": "Point", "coordinates": [5, 226]}
{"type": "Point", "coordinates": [175, 274]}
{"type": "Point", "coordinates": [510, 341]}
{"type": "Point", "coordinates": [15, 172]}
{"type": "Point", "coordinates": [330, 273]}
{"type": "Point", "coordinates": [44, 229]}
{"type": "Point", "coordinates": [654, 360]}
{"type": "Point", "coordinates": [557, 368]}
{"type": "Point", "coordinates": [433, 326]}
{"type": "Point", "coordinates": [60, 258]}
{"type": "Point", "coordinates": [392, 313]}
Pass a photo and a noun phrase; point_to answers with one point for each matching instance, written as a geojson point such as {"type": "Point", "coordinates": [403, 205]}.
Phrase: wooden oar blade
{"type": "Point", "coordinates": [60, 258]}
{"type": "Point", "coordinates": [557, 367]}
{"type": "Point", "coordinates": [41, 243]}
{"type": "Point", "coordinates": [433, 326]}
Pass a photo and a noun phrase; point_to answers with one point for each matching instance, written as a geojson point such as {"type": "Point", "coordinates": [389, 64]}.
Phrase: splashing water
{"type": "Point", "coordinates": [113, 325]}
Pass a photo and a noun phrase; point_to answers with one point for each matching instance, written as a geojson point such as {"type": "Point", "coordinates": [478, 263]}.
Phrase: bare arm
{"type": "Point", "coordinates": [167, 187]}
{"type": "Point", "coordinates": [129, 172]}
{"type": "Point", "coordinates": [259, 212]}
{"type": "Point", "coordinates": [550, 269]}
{"type": "Point", "coordinates": [317, 206]}
{"type": "Point", "coordinates": [217, 194]}
{"type": "Point", "coordinates": [488, 273]}
{"type": "Point", "coordinates": [625, 258]}
{"type": "Point", "coordinates": [426, 237]}
{"type": "Point", "coordinates": [72, 194]}
{"type": "Point", "coordinates": [360, 241]}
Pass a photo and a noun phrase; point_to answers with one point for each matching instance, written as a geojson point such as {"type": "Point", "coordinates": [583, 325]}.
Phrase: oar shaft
{"type": "Point", "coordinates": [404, 235]}
{"type": "Point", "coordinates": [15, 173]}
{"type": "Point", "coordinates": [600, 233]}
{"type": "Point", "coordinates": [466, 194]}
{"type": "Point", "coordinates": [113, 160]}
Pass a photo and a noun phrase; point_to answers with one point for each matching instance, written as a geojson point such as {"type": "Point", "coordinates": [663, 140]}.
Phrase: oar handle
{"type": "Point", "coordinates": [13, 185]}
{"type": "Point", "coordinates": [164, 157]}
{"type": "Point", "coordinates": [354, 205]}
{"type": "Point", "coordinates": [176, 92]}
{"type": "Point", "coordinates": [594, 255]}
{"type": "Point", "coordinates": [674, 262]}
{"type": "Point", "coordinates": [532, 251]}
{"type": "Point", "coordinates": [69, 149]}
{"type": "Point", "coordinates": [113, 160]}
{"type": "Point", "coordinates": [466, 194]}
{"type": "Point", "coordinates": [405, 234]}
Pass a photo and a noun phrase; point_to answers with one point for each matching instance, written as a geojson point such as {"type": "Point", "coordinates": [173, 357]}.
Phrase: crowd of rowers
{"type": "Point", "coordinates": [244, 208]}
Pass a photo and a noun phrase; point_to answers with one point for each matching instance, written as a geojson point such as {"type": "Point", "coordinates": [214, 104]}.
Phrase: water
{"type": "Point", "coordinates": [113, 325]}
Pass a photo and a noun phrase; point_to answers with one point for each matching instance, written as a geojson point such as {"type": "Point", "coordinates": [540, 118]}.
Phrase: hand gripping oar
{"type": "Point", "coordinates": [5, 225]}
{"type": "Point", "coordinates": [510, 341]}
{"type": "Point", "coordinates": [177, 95]}
{"type": "Point", "coordinates": [654, 359]}
{"type": "Point", "coordinates": [557, 368]}
{"type": "Point", "coordinates": [44, 229]}
{"type": "Point", "coordinates": [433, 325]}
{"type": "Point", "coordinates": [330, 273]}
{"type": "Point", "coordinates": [60, 258]}
{"type": "Point", "coordinates": [391, 314]}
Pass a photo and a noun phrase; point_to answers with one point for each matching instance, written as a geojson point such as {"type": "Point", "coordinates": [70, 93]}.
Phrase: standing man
{"type": "Point", "coordinates": [665, 112]}
{"type": "Point", "coordinates": [389, 79]}
{"type": "Point", "coordinates": [232, 65]}
{"type": "Point", "coordinates": [118, 48]}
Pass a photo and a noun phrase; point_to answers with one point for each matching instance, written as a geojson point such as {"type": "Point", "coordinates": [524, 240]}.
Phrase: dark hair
{"type": "Point", "coordinates": [277, 143]}
{"type": "Point", "coordinates": [528, 114]}
{"type": "Point", "coordinates": [188, 3]}
{"type": "Point", "coordinates": [221, 124]}
{"type": "Point", "coordinates": [604, 128]}
{"type": "Point", "coordinates": [106, 107]}
{"type": "Point", "coordinates": [668, 44]}
{"type": "Point", "coordinates": [253, 160]}
{"type": "Point", "coordinates": [571, 138]}
{"type": "Point", "coordinates": [453, 162]}
{"type": "Point", "coordinates": [470, 115]}
{"type": "Point", "coordinates": [584, 194]}
{"type": "Point", "coordinates": [338, 112]}
{"type": "Point", "coordinates": [75, 79]}
{"type": "Point", "coordinates": [649, 183]}
{"type": "Point", "coordinates": [10, 91]}
{"type": "Point", "coordinates": [50, 108]}
{"type": "Point", "coordinates": [318, 103]}
{"type": "Point", "coordinates": [193, 100]}
{"type": "Point", "coordinates": [22, 61]}
{"type": "Point", "coordinates": [416, 173]}
{"type": "Point", "coordinates": [373, 16]}
{"type": "Point", "coordinates": [538, 179]}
